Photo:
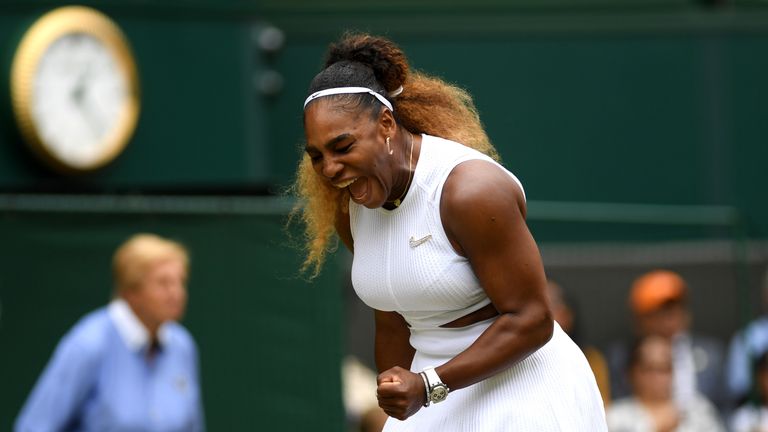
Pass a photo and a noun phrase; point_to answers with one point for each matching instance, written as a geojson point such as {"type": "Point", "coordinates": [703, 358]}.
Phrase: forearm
{"type": "Point", "coordinates": [392, 346]}
{"type": "Point", "coordinates": [510, 339]}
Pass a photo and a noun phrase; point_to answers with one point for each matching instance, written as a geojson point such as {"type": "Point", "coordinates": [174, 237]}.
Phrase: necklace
{"type": "Point", "coordinates": [410, 174]}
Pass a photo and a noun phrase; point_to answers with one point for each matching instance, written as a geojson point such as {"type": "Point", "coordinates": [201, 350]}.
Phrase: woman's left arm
{"type": "Point", "coordinates": [483, 212]}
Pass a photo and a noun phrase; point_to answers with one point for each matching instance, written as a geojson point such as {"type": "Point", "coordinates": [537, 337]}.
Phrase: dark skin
{"type": "Point", "coordinates": [483, 213]}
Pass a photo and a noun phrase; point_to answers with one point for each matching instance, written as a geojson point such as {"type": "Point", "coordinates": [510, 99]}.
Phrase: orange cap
{"type": "Point", "coordinates": [654, 289]}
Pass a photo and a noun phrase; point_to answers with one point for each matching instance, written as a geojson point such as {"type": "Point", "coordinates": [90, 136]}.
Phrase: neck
{"type": "Point", "coordinates": [408, 156]}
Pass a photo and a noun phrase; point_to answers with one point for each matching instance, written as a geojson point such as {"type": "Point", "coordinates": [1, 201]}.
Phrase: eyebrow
{"type": "Point", "coordinates": [332, 141]}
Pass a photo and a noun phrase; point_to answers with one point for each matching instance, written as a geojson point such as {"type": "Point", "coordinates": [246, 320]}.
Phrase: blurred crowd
{"type": "Point", "coordinates": [670, 378]}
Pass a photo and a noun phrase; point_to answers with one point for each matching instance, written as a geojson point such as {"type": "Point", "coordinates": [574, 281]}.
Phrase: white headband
{"type": "Point", "coordinates": [348, 90]}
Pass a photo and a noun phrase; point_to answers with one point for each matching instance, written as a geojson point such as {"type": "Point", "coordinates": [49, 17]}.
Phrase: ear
{"type": "Point", "coordinates": [129, 295]}
{"type": "Point", "coordinates": [387, 123]}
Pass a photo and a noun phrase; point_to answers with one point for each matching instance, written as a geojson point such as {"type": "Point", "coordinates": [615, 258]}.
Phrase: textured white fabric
{"type": "Point", "coordinates": [552, 390]}
{"type": "Point", "coordinates": [429, 284]}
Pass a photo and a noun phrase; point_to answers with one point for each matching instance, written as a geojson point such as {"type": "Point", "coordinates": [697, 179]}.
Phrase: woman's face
{"type": "Point", "coordinates": [349, 150]}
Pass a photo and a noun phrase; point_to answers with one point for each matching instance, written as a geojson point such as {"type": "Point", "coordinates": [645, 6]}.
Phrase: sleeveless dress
{"type": "Point", "coordinates": [404, 262]}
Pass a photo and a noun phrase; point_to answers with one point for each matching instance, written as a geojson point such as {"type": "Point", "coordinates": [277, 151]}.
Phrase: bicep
{"type": "Point", "coordinates": [483, 212]}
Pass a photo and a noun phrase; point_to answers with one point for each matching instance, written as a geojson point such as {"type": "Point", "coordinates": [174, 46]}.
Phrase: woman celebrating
{"type": "Point", "coordinates": [398, 164]}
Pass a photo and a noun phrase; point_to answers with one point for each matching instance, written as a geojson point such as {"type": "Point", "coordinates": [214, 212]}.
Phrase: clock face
{"type": "Point", "coordinates": [74, 89]}
{"type": "Point", "coordinates": [78, 99]}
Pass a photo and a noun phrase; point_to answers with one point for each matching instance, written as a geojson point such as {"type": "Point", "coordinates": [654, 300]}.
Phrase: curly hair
{"type": "Point", "coordinates": [427, 105]}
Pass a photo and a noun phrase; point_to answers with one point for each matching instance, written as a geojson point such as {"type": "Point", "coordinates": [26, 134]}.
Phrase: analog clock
{"type": "Point", "coordinates": [74, 89]}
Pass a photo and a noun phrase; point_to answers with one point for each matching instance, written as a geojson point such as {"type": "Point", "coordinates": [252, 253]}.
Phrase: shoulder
{"type": "Point", "coordinates": [625, 412]}
{"type": "Point", "coordinates": [623, 405]}
{"type": "Point", "coordinates": [757, 328]}
{"type": "Point", "coordinates": [703, 414]}
{"type": "Point", "coordinates": [180, 338]}
{"type": "Point", "coordinates": [745, 417]}
{"type": "Point", "coordinates": [87, 340]}
{"type": "Point", "coordinates": [702, 404]}
{"type": "Point", "coordinates": [91, 332]}
{"type": "Point", "coordinates": [479, 182]}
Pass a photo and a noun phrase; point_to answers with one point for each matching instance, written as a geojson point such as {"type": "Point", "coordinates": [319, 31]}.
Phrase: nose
{"type": "Point", "coordinates": [331, 167]}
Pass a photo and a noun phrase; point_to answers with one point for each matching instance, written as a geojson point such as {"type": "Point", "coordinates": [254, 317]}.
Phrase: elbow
{"type": "Point", "coordinates": [534, 326]}
{"type": "Point", "coordinates": [541, 325]}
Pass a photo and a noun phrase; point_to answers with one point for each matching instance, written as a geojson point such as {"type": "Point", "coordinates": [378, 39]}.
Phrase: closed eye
{"type": "Point", "coordinates": [345, 148]}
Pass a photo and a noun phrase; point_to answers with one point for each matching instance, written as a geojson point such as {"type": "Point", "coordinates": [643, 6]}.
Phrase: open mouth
{"type": "Point", "coordinates": [345, 183]}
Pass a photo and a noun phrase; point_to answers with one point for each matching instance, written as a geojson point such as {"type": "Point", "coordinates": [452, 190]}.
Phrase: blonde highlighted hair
{"type": "Point", "coordinates": [133, 259]}
{"type": "Point", "coordinates": [426, 105]}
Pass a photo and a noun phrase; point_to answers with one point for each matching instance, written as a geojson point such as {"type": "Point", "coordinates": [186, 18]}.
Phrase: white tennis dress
{"type": "Point", "coordinates": [404, 262]}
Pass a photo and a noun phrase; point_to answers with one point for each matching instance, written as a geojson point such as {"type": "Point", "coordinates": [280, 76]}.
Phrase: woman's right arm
{"type": "Point", "coordinates": [343, 229]}
{"type": "Point", "coordinates": [392, 345]}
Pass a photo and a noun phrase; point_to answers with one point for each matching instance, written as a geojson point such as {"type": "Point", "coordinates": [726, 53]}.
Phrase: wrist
{"type": "Point", "coordinates": [426, 388]}
{"type": "Point", "coordinates": [436, 390]}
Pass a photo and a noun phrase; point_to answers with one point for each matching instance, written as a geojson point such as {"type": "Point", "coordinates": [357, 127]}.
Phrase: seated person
{"type": "Point", "coordinates": [752, 416]}
{"type": "Point", "coordinates": [746, 345]}
{"type": "Point", "coordinates": [651, 407]}
{"type": "Point", "coordinates": [659, 305]}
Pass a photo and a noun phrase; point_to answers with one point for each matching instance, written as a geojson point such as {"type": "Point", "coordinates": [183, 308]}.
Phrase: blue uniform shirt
{"type": "Point", "coordinates": [100, 379]}
{"type": "Point", "coordinates": [746, 346]}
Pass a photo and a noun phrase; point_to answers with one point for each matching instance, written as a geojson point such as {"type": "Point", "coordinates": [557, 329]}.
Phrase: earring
{"type": "Point", "coordinates": [388, 147]}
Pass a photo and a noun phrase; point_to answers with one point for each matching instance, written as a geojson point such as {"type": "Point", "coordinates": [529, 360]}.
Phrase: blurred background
{"type": "Point", "coordinates": [638, 128]}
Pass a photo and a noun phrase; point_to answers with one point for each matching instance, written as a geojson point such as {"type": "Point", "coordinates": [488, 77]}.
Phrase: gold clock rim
{"type": "Point", "coordinates": [37, 39]}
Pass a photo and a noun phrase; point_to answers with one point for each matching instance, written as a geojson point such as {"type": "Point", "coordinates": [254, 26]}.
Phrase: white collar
{"type": "Point", "coordinates": [131, 329]}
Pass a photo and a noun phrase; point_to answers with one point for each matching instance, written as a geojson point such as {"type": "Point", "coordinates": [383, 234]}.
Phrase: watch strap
{"type": "Point", "coordinates": [432, 377]}
{"type": "Point", "coordinates": [437, 391]}
{"type": "Point", "coordinates": [426, 388]}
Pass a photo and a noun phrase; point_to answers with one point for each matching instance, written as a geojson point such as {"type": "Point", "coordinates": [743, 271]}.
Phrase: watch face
{"type": "Point", "coordinates": [78, 98]}
{"type": "Point", "coordinates": [438, 393]}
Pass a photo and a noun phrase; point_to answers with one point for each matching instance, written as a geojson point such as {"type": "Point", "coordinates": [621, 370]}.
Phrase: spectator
{"type": "Point", "coordinates": [127, 366]}
{"type": "Point", "coordinates": [651, 407]}
{"type": "Point", "coordinates": [745, 346]}
{"type": "Point", "coordinates": [752, 416]}
{"type": "Point", "coordinates": [659, 304]}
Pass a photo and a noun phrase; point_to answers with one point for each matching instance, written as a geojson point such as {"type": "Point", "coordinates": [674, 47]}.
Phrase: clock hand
{"type": "Point", "coordinates": [79, 91]}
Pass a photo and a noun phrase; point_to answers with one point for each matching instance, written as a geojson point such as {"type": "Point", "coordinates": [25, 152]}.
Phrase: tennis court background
{"type": "Point", "coordinates": [649, 112]}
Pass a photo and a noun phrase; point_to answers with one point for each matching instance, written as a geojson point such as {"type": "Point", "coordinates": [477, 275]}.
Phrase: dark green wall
{"type": "Point", "coordinates": [200, 122]}
{"type": "Point", "coordinates": [659, 108]}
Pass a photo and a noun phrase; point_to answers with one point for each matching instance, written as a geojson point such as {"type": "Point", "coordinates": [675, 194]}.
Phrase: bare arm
{"type": "Point", "coordinates": [343, 229]}
{"type": "Point", "coordinates": [483, 211]}
{"type": "Point", "coordinates": [392, 345]}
